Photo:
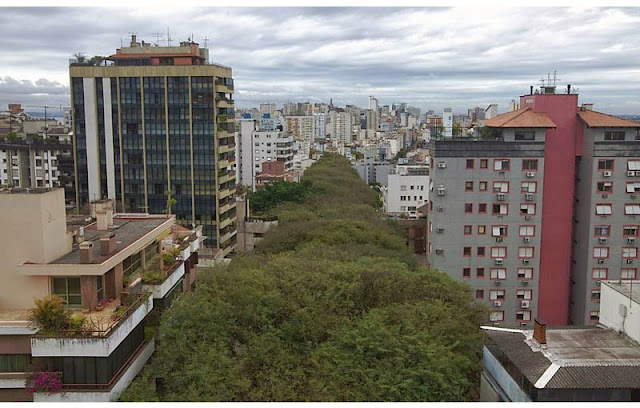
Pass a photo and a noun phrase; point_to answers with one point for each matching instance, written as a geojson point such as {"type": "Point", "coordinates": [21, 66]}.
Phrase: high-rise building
{"type": "Point", "coordinates": [339, 127]}
{"type": "Point", "coordinates": [158, 119]}
{"type": "Point", "coordinates": [270, 109]}
{"type": "Point", "coordinates": [373, 103]}
{"type": "Point", "coordinates": [533, 214]}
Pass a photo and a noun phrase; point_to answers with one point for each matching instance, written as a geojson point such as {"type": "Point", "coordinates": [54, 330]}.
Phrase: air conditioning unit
{"type": "Point", "coordinates": [439, 251]}
{"type": "Point", "coordinates": [602, 240]}
{"type": "Point", "coordinates": [526, 240]}
{"type": "Point", "coordinates": [527, 218]}
{"type": "Point", "coordinates": [524, 324]}
{"type": "Point", "coordinates": [600, 261]}
{"type": "Point", "coordinates": [442, 165]}
{"type": "Point", "coordinates": [524, 304]}
{"type": "Point", "coordinates": [631, 173]}
{"type": "Point", "coordinates": [524, 283]}
{"type": "Point", "coordinates": [529, 197]}
{"type": "Point", "coordinates": [497, 283]}
{"type": "Point", "coordinates": [631, 240]}
{"type": "Point", "coordinates": [629, 261]}
{"type": "Point", "coordinates": [440, 208]}
{"type": "Point", "coordinates": [607, 173]}
{"type": "Point", "coordinates": [499, 239]}
{"type": "Point", "coordinates": [498, 261]}
{"type": "Point", "coordinates": [497, 303]}
{"type": "Point", "coordinates": [439, 230]}
{"type": "Point", "coordinates": [526, 261]}
{"type": "Point", "coordinates": [501, 197]}
{"type": "Point", "coordinates": [530, 174]}
{"type": "Point", "coordinates": [441, 191]}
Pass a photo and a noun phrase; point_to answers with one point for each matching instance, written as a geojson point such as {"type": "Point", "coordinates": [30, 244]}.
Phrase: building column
{"type": "Point", "coordinates": [89, 291]}
{"type": "Point", "coordinates": [118, 279]}
{"type": "Point", "coordinates": [110, 284]}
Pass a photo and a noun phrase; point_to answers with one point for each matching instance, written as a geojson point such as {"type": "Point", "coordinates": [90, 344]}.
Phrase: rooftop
{"type": "Point", "coordinates": [629, 289]}
{"type": "Point", "coordinates": [577, 358]}
{"type": "Point", "coordinates": [599, 119]}
{"type": "Point", "coordinates": [521, 118]}
{"type": "Point", "coordinates": [35, 190]}
{"type": "Point", "coordinates": [128, 229]}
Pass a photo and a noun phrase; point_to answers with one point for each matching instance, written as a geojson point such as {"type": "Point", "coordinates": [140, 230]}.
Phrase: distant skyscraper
{"type": "Point", "coordinates": [373, 103]}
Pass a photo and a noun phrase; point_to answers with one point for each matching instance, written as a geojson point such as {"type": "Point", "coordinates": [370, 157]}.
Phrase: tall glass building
{"type": "Point", "coordinates": [152, 120]}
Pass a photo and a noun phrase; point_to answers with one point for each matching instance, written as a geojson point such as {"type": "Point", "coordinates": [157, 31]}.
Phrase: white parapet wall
{"type": "Point", "coordinates": [619, 308]}
{"type": "Point", "coordinates": [90, 346]}
{"type": "Point", "coordinates": [160, 291]}
{"type": "Point", "coordinates": [102, 396]}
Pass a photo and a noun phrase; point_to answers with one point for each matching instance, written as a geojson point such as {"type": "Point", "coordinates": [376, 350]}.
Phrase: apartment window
{"type": "Point", "coordinates": [500, 209]}
{"type": "Point", "coordinates": [599, 273]}
{"type": "Point", "coordinates": [468, 229]}
{"type": "Point", "coordinates": [605, 164]}
{"type": "Point", "coordinates": [594, 315]}
{"type": "Point", "coordinates": [67, 288]}
{"type": "Point", "coordinates": [466, 251]}
{"type": "Point", "coordinates": [630, 231]}
{"type": "Point", "coordinates": [498, 273]}
{"type": "Point", "coordinates": [529, 164]}
{"type": "Point", "coordinates": [613, 136]}
{"type": "Point", "coordinates": [500, 186]}
{"type": "Point", "coordinates": [595, 295]}
{"type": "Point", "coordinates": [605, 186]}
{"type": "Point", "coordinates": [411, 187]}
{"type": "Point", "coordinates": [632, 209]}
{"type": "Point", "coordinates": [633, 165]}
{"type": "Point", "coordinates": [15, 363]}
{"type": "Point", "coordinates": [470, 164]}
{"type": "Point", "coordinates": [525, 135]}
{"type": "Point", "coordinates": [468, 208]}
{"type": "Point", "coordinates": [466, 272]}
{"type": "Point", "coordinates": [403, 188]}
{"type": "Point", "coordinates": [496, 316]}
{"type": "Point", "coordinates": [525, 252]}
{"type": "Point", "coordinates": [484, 163]}
{"type": "Point", "coordinates": [480, 251]}
{"type": "Point", "coordinates": [523, 315]}
{"type": "Point", "coordinates": [498, 252]}
{"type": "Point", "coordinates": [498, 230]}
{"type": "Point", "coordinates": [468, 186]}
{"type": "Point", "coordinates": [527, 209]}
{"type": "Point", "coordinates": [523, 294]}
{"type": "Point", "coordinates": [479, 294]}
{"type": "Point", "coordinates": [131, 265]}
{"type": "Point", "coordinates": [603, 209]}
{"type": "Point", "coordinates": [482, 229]}
{"type": "Point", "coordinates": [525, 273]}
{"type": "Point", "coordinates": [527, 230]}
{"type": "Point", "coordinates": [628, 273]}
{"type": "Point", "coordinates": [482, 186]}
{"type": "Point", "coordinates": [479, 272]}
{"type": "Point", "coordinates": [501, 164]}
{"type": "Point", "coordinates": [602, 231]}
{"type": "Point", "coordinates": [600, 252]}
{"type": "Point", "coordinates": [496, 294]}
{"type": "Point", "coordinates": [528, 186]}
{"type": "Point", "coordinates": [633, 187]}
{"type": "Point", "coordinates": [482, 208]}
{"type": "Point", "coordinates": [629, 252]}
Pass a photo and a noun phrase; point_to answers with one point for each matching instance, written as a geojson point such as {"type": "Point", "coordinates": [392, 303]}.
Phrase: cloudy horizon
{"type": "Point", "coordinates": [427, 57]}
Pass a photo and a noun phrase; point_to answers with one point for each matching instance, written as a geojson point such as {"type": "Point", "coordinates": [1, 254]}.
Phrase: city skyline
{"type": "Point", "coordinates": [430, 58]}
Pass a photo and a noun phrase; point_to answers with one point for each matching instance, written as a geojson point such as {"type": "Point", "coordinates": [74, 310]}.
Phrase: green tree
{"type": "Point", "coordinates": [456, 129]}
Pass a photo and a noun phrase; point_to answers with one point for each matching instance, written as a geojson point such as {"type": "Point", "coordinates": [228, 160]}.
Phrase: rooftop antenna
{"type": "Point", "coordinates": [555, 77]}
{"type": "Point", "coordinates": [158, 36]}
{"type": "Point", "coordinates": [205, 40]}
{"type": "Point", "coordinates": [168, 37]}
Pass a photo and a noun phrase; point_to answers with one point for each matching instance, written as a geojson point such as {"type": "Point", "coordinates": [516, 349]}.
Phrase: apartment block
{"type": "Point", "coordinates": [407, 189]}
{"type": "Point", "coordinates": [526, 212]}
{"type": "Point", "coordinates": [154, 120]}
{"type": "Point", "coordinates": [339, 127]}
{"type": "Point", "coordinates": [111, 271]}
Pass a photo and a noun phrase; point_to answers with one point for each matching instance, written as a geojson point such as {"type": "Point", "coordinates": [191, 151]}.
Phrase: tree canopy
{"type": "Point", "coordinates": [331, 306]}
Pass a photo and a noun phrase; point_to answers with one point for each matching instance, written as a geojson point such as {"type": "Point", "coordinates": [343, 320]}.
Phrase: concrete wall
{"type": "Point", "coordinates": [613, 304]}
{"type": "Point", "coordinates": [495, 371]}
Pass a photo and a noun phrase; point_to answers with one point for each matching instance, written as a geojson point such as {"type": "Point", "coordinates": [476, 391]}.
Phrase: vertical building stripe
{"type": "Point", "coordinates": [124, 207]}
{"type": "Point", "coordinates": [108, 138]}
{"type": "Point", "coordinates": [144, 148]}
{"type": "Point", "coordinates": [193, 183]}
{"type": "Point", "coordinates": [91, 131]}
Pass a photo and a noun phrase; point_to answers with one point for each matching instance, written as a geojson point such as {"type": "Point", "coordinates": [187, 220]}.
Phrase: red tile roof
{"type": "Point", "coordinates": [521, 118]}
{"type": "Point", "coordinates": [599, 119]}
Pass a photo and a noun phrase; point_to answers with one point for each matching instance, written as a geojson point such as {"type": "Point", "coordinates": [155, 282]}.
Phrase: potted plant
{"type": "Point", "coordinates": [46, 381]}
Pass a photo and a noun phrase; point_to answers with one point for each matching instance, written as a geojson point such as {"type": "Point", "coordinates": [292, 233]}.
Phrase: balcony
{"type": "Point", "coordinates": [105, 330]}
{"type": "Point", "coordinates": [226, 177]}
{"type": "Point", "coordinates": [159, 283]}
{"type": "Point", "coordinates": [227, 206]}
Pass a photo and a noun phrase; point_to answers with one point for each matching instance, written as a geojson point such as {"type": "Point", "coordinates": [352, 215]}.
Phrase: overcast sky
{"type": "Point", "coordinates": [430, 58]}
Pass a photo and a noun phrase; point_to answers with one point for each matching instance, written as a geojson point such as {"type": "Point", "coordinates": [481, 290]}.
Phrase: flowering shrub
{"type": "Point", "coordinates": [46, 381]}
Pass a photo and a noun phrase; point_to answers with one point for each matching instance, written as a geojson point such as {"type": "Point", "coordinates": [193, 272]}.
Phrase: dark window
{"type": "Point", "coordinates": [482, 207]}
{"type": "Point", "coordinates": [479, 294]}
{"type": "Point", "coordinates": [606, 164]}
{"type": "Point", "coordinates": [522, 135]}
{"type": "Point", "coordinates": [468, 208]}
{"type": "Point", "coordinates": [612, 136]}
{"type": "Point", "coordinates": [529, 164]}
{"type": "Point", "coordinates": [466, 251]}
{"type": "Point", "coordinates": [470, 163]}
{"type": "Point", "coordinates": [468, 186]}
{"type": "Point", "coordinates": [466, 272]}
{"type": "Point", "coordinates": [68, 289]}
{"type": "Point", "coordinates": [484, 163]}
{"type": "Point", "coordinates": [480, 251]}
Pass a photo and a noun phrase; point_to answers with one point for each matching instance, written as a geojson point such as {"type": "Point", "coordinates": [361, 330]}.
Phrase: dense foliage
{"type": "Point", "coordinates": [278, 192]}
{"type": "Point", "coordinates": [330, 307]}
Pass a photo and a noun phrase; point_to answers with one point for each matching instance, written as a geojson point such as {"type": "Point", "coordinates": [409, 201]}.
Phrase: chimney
{"type": "Point", "coordinates": [531, 90]}
{"type": "Point", "coordinates": [568, 89]}
{"type": "Point", "coordinates": [540, 331]}
{"type": "Point", "coordinates": [105, 219]}
{"type": "Point", "coordinates": [108, 244]}
{"type": "Point", "coordinates": [587, 107]}
{"type": "Point", "coordinates": [86, 252]}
